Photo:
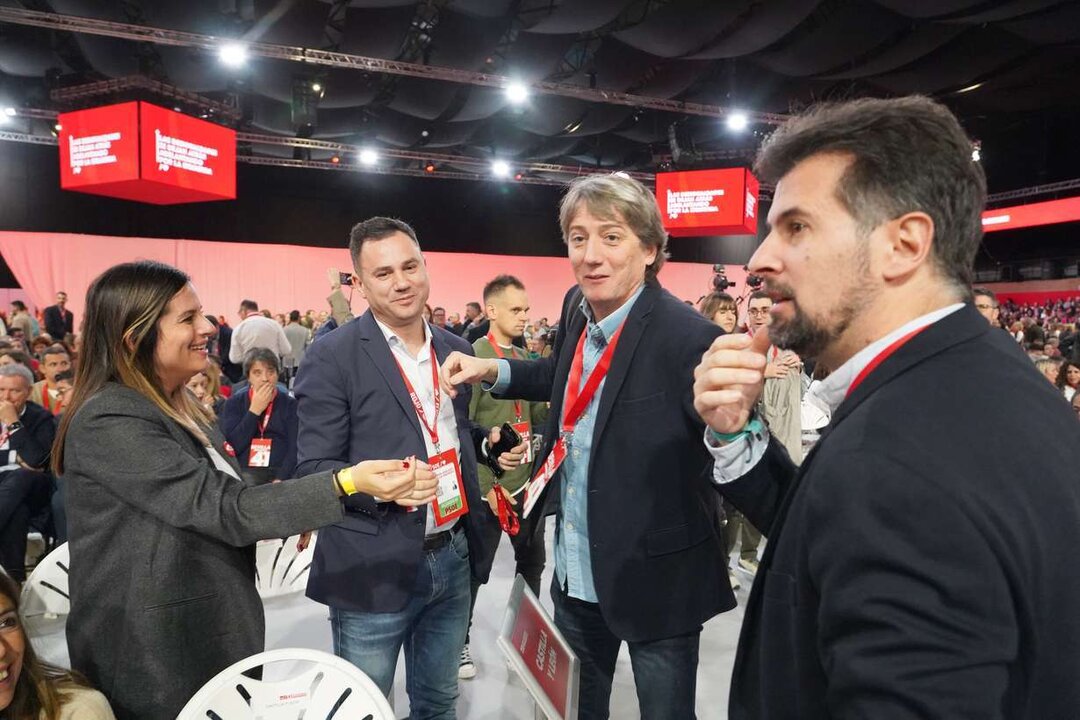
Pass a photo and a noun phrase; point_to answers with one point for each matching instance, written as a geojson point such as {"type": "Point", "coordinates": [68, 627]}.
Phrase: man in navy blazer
{"type": "Point", "coordinates": [393, 576]}
{"type": "Point", "coordinates": [922, 560]}
{"type": "Point", "coordinates": [638, 555]}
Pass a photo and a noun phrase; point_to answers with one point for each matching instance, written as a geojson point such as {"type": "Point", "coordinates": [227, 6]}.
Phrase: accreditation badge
{"type": "Point", "coordinates": [450, 502]}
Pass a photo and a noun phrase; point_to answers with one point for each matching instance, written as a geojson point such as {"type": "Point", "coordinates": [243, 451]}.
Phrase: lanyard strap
{"type": "Point", "coordinates": [264, 419]}
{"type": "Point", "coordinates": [498, 351]}
{"type": "Point", "coordinates": [577, 397]}
{"type": "Point", "coordinates": [433, 427]}
{"type": "Point", "coordinates": [508, 519]}
{"type": "Point", "coordinates": [880, 358]}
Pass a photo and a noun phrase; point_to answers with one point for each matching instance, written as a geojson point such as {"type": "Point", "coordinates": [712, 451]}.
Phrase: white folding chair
{"type": "Point", "coordinates": [280, 569]}
{"type": "Point", "coordinates": [45, 603]}
{"type": "Point", "coordinates": [331, 689]}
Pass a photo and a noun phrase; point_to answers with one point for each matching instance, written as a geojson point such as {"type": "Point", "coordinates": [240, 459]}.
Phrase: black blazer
{"type": "Point", "coordinates": [58, 323]}
{"type": "Point", "coordinates": [922, 561]}
{"type": "Point", "coordinates": [353, 406]}
{"type": "Point", "coordinates": [657, 557]}
{"type": "Point", "coordinates": [33, 442]}
{"type": "Point", "coordinates": [240, 427]}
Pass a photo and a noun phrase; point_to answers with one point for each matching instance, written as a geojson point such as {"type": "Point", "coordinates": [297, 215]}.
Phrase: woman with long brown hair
{"type": "Point", "coordinates": [31, 689]}
{"type": "Point", "coordinates": [160, 522]}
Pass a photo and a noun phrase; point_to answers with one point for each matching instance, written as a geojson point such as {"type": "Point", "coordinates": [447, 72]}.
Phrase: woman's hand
{"type": "Point", "coordinates": [408, 482]}
{"type": "Point", "coordinates": [261, 397]}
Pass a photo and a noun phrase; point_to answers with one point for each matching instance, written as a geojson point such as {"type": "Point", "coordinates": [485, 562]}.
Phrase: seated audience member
{"type": "Point", "coordinates": [65, 383]}
{"type": "Point", "coordinates": [41, 342]}
{"type": "Point", "coordinates": [1068, 378]}
{"type": "Point", "coordinates": [1049, 367]}
{"type": "Point", "coordinates": [16, 357]}
{"type": "Point", "coordinates": [55, 360]}
{"type": "Point", "coordinates": [26, 437]}
{"type": "Point", "coordinates": [260, 423]}
{"type": "Point", "coordinates": [32, 689]}
{"type": "Point", "coordinates": [1076, 404]}
{"type": "Point", "coordinates": [162, 576]}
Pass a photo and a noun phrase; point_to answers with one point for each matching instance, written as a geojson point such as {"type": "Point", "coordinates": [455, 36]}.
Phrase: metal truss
{"type": "Point", "coordinates": [329, 58]}
{"type": "Point", "coordinates": [709, 155]}
{"type": "Point", "coordinates": [1033, 191]}
{"type": "Point", "coordinates": [27, 138]}
{"type": "Point", "coordinates": [141, 82]}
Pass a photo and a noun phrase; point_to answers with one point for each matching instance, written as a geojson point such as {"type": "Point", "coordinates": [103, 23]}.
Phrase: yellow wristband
{"type": "Point", "coordinates": [344, 478]}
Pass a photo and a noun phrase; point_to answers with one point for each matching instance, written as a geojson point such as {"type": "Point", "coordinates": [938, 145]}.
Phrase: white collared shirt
{"type": "Point", "coordinates": [418, 370]}
{"type": "Point", "coordinates": [734, 460]}
{"type": "Point", "coordinates": [9, 457]}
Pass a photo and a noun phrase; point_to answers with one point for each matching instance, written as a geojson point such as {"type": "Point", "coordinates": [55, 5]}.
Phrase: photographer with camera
{"type": "Point", "coordinates": [507, 308]}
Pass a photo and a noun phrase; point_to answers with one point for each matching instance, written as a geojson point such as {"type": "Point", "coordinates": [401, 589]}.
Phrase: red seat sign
{"type": "Point", "coordinates": [708, 202]}
{"type": "Point", "coordinates": [138, 151]}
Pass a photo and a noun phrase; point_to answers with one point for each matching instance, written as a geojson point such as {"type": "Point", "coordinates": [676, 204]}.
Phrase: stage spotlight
{"type": "Point", "coordinates": [233, 54]}
{"type": "Point", "coordinates": [58, 127]}
{"type": "Point", "coordinates": [368, 157]}
{"type": "Point", "coordinates": [9, 112]}
{"type": "Point", "coordinates": [429, 168]}
{"type": "Point", "coordinates": [316, 86]}
{"type": "Point", "coordinates": [737, 121]}
{"type": "Point", "coordinates": [517, 93]}
{"type": "Point", "coordinates": [500, 168]}
{"type": "Point", "coordinates": [335, 159]}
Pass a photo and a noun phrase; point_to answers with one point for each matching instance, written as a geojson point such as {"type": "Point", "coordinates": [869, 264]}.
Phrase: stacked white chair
{"type": "Point", "coordinates": [45, 603]}
{"type": "Point", "coordinates": [280, 569]}
{"type": "Point", "coordinates": [325, 688]}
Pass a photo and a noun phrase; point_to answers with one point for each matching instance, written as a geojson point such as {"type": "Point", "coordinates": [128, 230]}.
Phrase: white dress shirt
{"type": "Point", "coordinates": [734, 460]}
{"type": "Point", "coordinates": [418, 370]}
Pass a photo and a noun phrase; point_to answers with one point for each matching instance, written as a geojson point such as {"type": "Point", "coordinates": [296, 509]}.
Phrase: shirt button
{"type": "Point", "coordinates": [571, 491]}
{"type": "Point", "coordinates": [569, 526]}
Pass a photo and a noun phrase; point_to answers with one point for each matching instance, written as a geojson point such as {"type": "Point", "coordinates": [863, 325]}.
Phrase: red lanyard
{"type": "Point", "coordinates": [577, 397]}
{"type": "Point", "coordinates": [264, 421]}
{"type": "Point", "coordinates": [499, 352]}
{"type": "Point", "coordinates": [508, 519]}
{"type": "Point", "coordinates": [46, 401]}
{"type": "Point", "coordinates": [432, 428]}
{"type": "Point", "coordinates": [880, 358]}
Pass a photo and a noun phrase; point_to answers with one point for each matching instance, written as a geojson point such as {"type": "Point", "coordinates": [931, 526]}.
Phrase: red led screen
{"type": "Point", "coordinates": [708, 202]}
{"type": "Point", "coordinates": [138, 151]}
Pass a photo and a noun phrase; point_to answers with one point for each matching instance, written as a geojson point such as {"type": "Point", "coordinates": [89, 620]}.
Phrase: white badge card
{"type": "Point", "coordinates": [260, 453]}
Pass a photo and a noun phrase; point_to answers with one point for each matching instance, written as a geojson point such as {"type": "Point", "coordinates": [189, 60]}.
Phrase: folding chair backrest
{"type": "Point", "coordinates": [280, 569]}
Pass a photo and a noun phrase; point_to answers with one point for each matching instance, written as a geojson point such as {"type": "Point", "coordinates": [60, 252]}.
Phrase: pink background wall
{"type": "Point", "coordinates": [286, 277]}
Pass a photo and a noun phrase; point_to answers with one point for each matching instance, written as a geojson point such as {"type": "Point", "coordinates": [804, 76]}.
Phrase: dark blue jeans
{"type": "Point", "coordinates": [431, 627]}
{"type": "Point", "coordinates": [665, 671]}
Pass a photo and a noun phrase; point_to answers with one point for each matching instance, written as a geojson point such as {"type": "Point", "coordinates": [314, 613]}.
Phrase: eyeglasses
{"type": "Point", "coordinates": [757, 312]}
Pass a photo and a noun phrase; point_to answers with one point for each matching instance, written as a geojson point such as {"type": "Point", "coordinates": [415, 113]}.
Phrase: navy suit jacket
{"type": "Point", "coordinates": [657, 557]}
{"type": "Point", "coordinates": [922, 561]}
{"type": "Point", "coordinates": [353, 406]}
{"type": "Point", "coordinates": [239, 426]}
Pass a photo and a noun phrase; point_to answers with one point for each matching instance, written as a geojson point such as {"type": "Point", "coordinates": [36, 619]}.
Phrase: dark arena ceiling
{"type": "Point", "coordinates": [1010, 68]}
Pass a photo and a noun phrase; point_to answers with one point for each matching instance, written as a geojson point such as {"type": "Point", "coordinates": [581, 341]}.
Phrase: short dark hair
{"type": "Point", "coordinates": [758, 295]}
{"type": "Point", "coordinates": [909, 154]}
{"type": "Point", "coordinates": [56, 349]}
{"type": "Point", "coordinates": [376, 228]}
{"type": "Point", "coordinates": [65, 375]}
{"type": "Point", "coordinates": [294, 316]}
{"type": "Point", "coordinates": [500, 283]}
{"type": "Point", "coordinates": [264, 355]}
{"type": "Point", "coordinates": [983, 292]}
{"type": "Point", "coordinates": [474, 305]}
{"type": "Point", "coordinates": [437, 309]}
{"type": "Point", "coordinates": [18, 304]}
{"type": "Point", "coordinates": [249, 305]}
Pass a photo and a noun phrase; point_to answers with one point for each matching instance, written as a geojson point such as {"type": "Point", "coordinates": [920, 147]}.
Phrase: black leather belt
{"type": "Point", "coordinates": [439, 540]}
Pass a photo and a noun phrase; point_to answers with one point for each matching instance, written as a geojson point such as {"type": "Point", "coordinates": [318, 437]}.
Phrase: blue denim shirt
{"type": "Point", "coordinates": [573, 559]}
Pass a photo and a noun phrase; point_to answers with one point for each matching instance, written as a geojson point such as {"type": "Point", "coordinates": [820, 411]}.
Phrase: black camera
{"type": "Point", "coordinates": [752, 281]}
{"type": "Point", "coordinates": [345, 278]}
{"type": "Point", "coordinates": [720, 282]}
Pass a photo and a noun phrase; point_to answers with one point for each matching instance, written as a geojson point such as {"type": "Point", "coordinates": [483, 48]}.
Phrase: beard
{"type": "Point", "coordinates": [809, 337]}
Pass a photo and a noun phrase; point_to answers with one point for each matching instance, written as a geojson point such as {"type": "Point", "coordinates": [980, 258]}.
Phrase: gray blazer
{"type": "Point", "coordinates": [162, 565]}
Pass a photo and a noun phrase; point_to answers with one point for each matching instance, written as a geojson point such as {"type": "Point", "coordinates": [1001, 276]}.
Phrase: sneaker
{"type": "Point", "coordinates": [749, 566]}
{"type": "Point", "coordinates": [466, 668]}
{"type": "Point", "coordinates": [735, 584]}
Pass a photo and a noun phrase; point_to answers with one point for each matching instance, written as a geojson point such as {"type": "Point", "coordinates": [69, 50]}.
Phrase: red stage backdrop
{"type": "Point", "coordinates": [138, 151]}
{"type": "Point", "coordinates": [288, 277]}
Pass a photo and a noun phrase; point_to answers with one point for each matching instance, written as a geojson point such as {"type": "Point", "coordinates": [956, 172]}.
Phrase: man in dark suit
{"type": "Point", "coordinates": [59, 322]}
{"type": "Point", "coordinates": [638, 556]}
{"type": "Point", "coordinates": [369, 390]}
{"type": "Point", "coordinates": [26, 436]}
{"type": "Point", "coordinates": [922, 561]}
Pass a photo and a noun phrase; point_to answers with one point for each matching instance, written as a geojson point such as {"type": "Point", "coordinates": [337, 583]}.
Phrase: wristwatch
{"type": "Point", "coordinates": [17, 425]}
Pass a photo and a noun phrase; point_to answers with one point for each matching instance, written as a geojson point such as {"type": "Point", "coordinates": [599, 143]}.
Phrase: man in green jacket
{"type": "Point", "coordinates": [508, 311]}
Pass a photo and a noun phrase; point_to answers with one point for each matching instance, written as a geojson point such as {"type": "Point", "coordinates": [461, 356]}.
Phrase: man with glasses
{"type": "Point", "coordinates": [986, 303]}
